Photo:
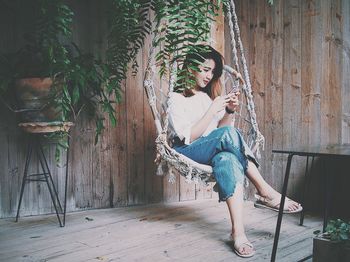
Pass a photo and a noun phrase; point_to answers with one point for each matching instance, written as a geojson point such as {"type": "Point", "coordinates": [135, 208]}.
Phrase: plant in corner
{"type": "Point", "coordinates": [334, 243]}
{"type": "Point", "coordinates": [338, 230]}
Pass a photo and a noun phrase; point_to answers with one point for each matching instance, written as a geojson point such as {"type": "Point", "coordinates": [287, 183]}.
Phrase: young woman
{"type": "Point", "coordinates": [201, 120]}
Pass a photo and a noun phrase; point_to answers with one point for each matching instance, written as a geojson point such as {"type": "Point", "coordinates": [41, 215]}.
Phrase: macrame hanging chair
{"type": "Point", "coordinates": [234, 77]}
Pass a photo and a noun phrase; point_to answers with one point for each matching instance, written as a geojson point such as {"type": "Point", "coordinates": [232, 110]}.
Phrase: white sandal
{"type": "Point", "coordinates": [239, 243]}
{"type": "Point", "coordinates": [273, 204]}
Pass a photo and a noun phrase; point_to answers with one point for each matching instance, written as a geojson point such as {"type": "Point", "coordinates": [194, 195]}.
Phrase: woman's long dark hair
{"type": "Point", "coordinates": [213, 89]}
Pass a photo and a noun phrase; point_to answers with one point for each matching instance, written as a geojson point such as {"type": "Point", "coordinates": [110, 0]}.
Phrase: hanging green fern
{"type": "Point", "coordinates": [128, 25]}
{"type": "Point", "coordinates": [181, 25]}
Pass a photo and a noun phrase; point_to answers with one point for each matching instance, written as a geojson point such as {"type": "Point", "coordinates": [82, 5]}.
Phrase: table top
{"type": "Point", "coordinates": [319, 150]}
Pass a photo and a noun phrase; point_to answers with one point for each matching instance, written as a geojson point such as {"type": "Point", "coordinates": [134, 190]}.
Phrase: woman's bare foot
{"type": "Point", "coordinates": [269, 197]}
{"type": "Point", "coordinates": [242, 246]}
{"type": "Point", "coordinates": [272, 201]}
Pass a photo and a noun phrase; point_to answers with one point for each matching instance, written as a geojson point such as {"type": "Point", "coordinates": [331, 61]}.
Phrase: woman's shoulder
{"type": "Point", "coordinates": [175, 99]}
{"type": "Point", "coordinates": [196, 96]}
{"type": "Point", "coordinates": [176, 95]}
{"type": "Point", "coordinates": [204, 97]}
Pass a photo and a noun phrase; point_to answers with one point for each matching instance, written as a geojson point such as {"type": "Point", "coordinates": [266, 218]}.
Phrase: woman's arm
{"type": "Point", "coordinates": [218, 105]}
{"type": "Point", "coordinates": [227, 118]}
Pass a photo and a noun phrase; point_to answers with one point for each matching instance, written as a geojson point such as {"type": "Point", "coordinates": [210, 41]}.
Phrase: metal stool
{"type": "Point", "coordinates": [35, 130]}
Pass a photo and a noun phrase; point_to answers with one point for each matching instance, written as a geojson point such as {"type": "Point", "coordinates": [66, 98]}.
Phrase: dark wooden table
{"type": "Point", "coordinates": [326, 151]}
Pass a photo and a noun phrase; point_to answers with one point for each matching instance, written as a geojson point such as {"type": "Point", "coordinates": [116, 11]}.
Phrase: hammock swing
{"type": "Point", "coordinates": [244, 118]}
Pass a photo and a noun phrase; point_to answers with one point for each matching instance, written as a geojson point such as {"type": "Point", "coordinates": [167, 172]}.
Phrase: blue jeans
{"type": "Point", "coordinates": [226, 151]}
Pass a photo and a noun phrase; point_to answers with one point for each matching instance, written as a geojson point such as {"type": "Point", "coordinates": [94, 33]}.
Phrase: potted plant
{"type": "Point", "coordinates": [42, 56]}
{"type": "Point", "coordinates": [334, 243]}
{"type": "Point", "coordinates": [49, 59]}
{"type": "Point", "coordinates": [32, 76]}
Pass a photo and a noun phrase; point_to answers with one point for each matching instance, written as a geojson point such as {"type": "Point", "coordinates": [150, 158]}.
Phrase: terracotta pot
{"type": "Point", "coordinates": [35, 100]}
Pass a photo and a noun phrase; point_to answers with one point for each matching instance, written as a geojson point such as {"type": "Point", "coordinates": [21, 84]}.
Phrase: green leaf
{"type": "Point", "coordinates": [344, 236]}
{"type": "Point", "coordinates": [76, 95]}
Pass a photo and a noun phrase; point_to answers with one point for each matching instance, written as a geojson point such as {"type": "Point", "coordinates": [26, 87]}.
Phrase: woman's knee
{"type": "Point", "coordinates": [227, 164]}
{"type": "Point", "coordinates": [229, 140]}
{"type": "Point", "coordinates": [224, 158]}
{"type": "Point", "coordinates": [225, 130]}
{"type": "Point", "coordinates": [230, 133]}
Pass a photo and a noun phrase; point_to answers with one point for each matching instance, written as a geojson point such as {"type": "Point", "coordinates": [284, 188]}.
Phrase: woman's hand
{"type": "Point", "coordinates": [219, 104]}
{"type": "Point", "coordinates": [231, 106]}
{"type": "Point", "coordinates": [233, 101]}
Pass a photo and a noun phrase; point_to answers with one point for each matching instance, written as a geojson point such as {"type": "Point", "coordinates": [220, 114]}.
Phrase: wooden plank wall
{"type": "Point", "coordinates": [299, 60]}
{"type": "Point", "coordinates": [298, 53]}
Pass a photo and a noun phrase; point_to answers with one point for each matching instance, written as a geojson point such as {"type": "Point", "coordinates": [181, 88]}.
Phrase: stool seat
{"type": "Point", "coordinates": [45, 127]}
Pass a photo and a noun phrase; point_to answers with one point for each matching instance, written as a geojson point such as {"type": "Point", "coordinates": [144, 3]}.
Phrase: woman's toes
{"type": "Point", "coordinates": [246, 250]}
{"type": "Point", "coordinates": [293, 205]}
{"type": "Point", "coordinates": [242, 246]}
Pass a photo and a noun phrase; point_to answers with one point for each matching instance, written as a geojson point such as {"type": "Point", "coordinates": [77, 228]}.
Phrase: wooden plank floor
{"type": "Point", "coordinates": [184, 231]}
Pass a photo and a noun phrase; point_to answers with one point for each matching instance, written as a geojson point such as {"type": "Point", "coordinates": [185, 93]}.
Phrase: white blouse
{"type": "Point", "coordinates": [184, 112]}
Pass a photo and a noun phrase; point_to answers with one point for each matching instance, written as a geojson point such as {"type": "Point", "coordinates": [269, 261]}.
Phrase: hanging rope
{"type": "Point", "coordinates": [232, 37]}
{"type": "Point", "coordinates": [235, 32]}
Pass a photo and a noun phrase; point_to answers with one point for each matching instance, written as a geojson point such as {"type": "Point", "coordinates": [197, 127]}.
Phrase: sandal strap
{"type": "Point", "coordinates": [240, 241]}
{"type": "Point", "coordinates": [247, 243]}
{"type": "Point", "coordinates": [274, 203]}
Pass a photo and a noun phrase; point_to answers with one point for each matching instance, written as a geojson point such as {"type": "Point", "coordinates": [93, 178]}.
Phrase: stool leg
{"type": "Point", "coordinates": [65, 185]}
{"type": "Point", "coordinates": [25, 174]}
{"type": "Point", "coordinates": [48, 179]}
{"type": "Point", "coordinates": [50, 176]}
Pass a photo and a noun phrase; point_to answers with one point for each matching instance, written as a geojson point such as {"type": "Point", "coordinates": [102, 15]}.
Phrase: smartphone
{"type": "Point", "coordinates": [234, 90]}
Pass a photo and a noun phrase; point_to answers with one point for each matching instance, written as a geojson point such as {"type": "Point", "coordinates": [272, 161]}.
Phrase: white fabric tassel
{"type": "Point", "coordinates": [258, 153]}
{"type": "Point", "coordinates": [196, 179]}
{"type": "Point", "coordinates": [160, 171]}
{"type": "Point", "coordinates": [189, 176]}
{"type": "Point", "coordinates": [172, 177]}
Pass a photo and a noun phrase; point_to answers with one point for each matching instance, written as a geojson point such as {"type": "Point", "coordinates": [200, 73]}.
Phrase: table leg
{"type": "Point", "coordinates": [306, 187]}
{"type": "Point", "coordinates": [280, 212]}
{"type": "Point", "coordinates": [327, 187]}
{"type": "Point", "coordinates": [304, 193]}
